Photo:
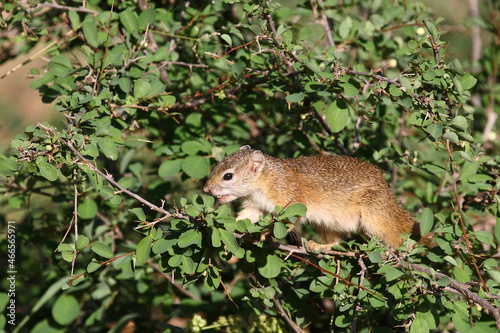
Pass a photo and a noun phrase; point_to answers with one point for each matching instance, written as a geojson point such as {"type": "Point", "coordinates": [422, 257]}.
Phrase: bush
{"type": "Point", "coordinates": [155, 94]}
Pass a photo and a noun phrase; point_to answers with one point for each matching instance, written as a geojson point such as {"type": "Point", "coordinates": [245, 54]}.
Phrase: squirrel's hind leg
{"type": "Point", "coordinates": [328, 237]}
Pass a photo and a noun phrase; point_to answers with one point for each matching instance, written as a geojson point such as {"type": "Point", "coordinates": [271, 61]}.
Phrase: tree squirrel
{"type": "Point", "coordinates": [343, 195]}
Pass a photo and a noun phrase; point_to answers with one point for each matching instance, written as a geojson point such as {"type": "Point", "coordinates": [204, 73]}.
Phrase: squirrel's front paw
{"type": "Point", "coordinates": [312, 246]}
{"type": "Point", "coordinates": [265, 235]}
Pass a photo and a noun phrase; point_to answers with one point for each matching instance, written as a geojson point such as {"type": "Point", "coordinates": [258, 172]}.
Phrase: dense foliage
{"type": "Point", "coordinates": [115, 231]}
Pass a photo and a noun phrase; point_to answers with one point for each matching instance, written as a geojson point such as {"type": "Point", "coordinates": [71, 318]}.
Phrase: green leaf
{"type": "Point", "coordinates": [139, 213]}
{"type": "Point", "coordinates": [467, 81]}
{"type": "Point", "coordinates": [108, 147]}
{"type": "Point", "coordinates": [89, 29]}
{"type": "Point", "coordinates": [65, 309]}
{"type": "Point", "coordinates": [147, 16]}
{"type": "Point", "coordinates": [336, 117]}
{"type": "Point", "coordinates": [456, 66]}
{"type": "Point", "coordinates": [271, 268]}
{"type": "Point", "coordinates": [142, 88]}
{"type": "Point", "coordinates": [391, 272]}
{"type": "Point", "coordinates": [162, 245]}
{"type": "Point", "coordinates": [102, 249]}
{"type": "Point", "coordinates": [406, 83]}
{"type": "Point", "coordinates": [8, 166]}
{"type": "Point", "coordinates": [345, 28]}
{"type": "Point", "coordinates": [349, 90]}
{"type": "Point", "coordinates": [395, 91]}
{"type": "Point", "coordinates": [169, 168]}
{"type": "Point", "coordinates": [279, 230]}
{"type": "Point", "coordinates": [435, 130]}
{"type": "Point", "coordinates": [427, 221]}
{"type": "Point", "coordinates": [461, 322]}
{"type": "Point", "coordinates": [452, 136]}
{"type": "Point", "coordinates": [484, 237]}
{"type": "Point", "coordinates": [195, 166]}
{"type": "Point", "coordinates": [444, 281]}
{"type": "Point", "coordinates": [143, 249]}
{"type": "Point", "coordinates": [126, 182]}
{"type": "Point", "coordinates": [48, 171]}
{"type": "Point", "coordinates": [433, 169]}
{"type": "Point", "coordinates": [227, 39]}
{"type": "Point", "coordinates": [419, 325]}
{"type": "Point", "coordinates": [93, 266]}
{"type": "Point", "coordinates": [125, 84]}
{"type": "Point", "coordinates": [216, 237]}
{"type": "Point", "coordinates": [230, 241]}
{"type": "Point", "coordinates": [192, 147]}
{"type": "Point", "coordinates": [190, 237]}
{"type": "Point", "coordinates": [74, 19]}
{"type": "Point", "coordinates": [175, 260]}
{"type": "Point", "coordinates": [82, 242]}
{"type": "Point", "coordinates": [451, 260]}
{"type": "Point", "coordinates": [295, 98]}
{"type": "Point", "coordinates": [460, 122]}
{"type": "Point", "coordinates": [87, 209]}
{"type": "Point", "coordinates": [187, 265]}
{"type": "Point", "coordinates": [129, 20]}
{"type": "Point", "coordinates": [432, 30]}
{"type": "Point", "coordinates": [375, 257]}
{"type": "Point", "coordinates": [297, 209]}
{"type": "Point", "coordinates": [468, 170]}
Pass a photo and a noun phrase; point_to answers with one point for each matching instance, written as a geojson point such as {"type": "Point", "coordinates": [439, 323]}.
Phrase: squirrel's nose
{"type": "Point", "coordinates": [207, 190]}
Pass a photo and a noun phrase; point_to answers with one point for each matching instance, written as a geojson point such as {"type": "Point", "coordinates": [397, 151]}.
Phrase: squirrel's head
{"type": "Point", "coordinates": [234, 176]}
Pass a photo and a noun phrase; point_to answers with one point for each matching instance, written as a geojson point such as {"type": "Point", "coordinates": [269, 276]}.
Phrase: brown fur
{"type": "Point", "coordinates": [343, 195]}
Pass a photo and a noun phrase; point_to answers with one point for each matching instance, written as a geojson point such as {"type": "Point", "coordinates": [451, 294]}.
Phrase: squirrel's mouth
{"type": "Point", "coordinates": [224, 198]}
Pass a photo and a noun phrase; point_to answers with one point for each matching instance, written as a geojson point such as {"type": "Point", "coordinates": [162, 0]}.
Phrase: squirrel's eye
{"type": "Point", "coordinates": [227, 176]}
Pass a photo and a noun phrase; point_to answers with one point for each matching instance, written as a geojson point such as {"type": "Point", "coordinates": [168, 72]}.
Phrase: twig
{"type": "Point", "coordinates": [358, 301]}
{"type": "Point", "coordinates": [460, 213]}
{"type": "Point", "coordinates": [326, 26]}
{"type": "Point", "coordinates": [172, 281]}
{"type": "Point", "coordinates": [108, 178]}
{"type": "Point", "coordinates": [423, 100]}
{"type": "Point", "coordinates": [463, 290]}
{"type": "Point", "coordinates": [75, 218]}
{"type": "Point", "coordinates": [57, 6]}
{"type": "Point", "coordinates": [285, 315]}
{"type": "Point", "coordinates": [35, 56]}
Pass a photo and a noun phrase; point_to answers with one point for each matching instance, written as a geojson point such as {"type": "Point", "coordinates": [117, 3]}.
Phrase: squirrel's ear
{"type": "Point", "coordinates": [245, 147]}
{"type": "Point", "coordinates": [257, 161]}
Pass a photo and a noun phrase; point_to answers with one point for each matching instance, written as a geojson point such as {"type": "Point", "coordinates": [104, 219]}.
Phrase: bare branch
{"type": "Point", "coordinates": [285, 315]}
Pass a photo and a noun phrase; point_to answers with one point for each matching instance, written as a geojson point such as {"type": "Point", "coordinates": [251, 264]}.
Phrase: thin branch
{"type": "Point", "coordinates": [75, 218]}
{"type": "Point", "coordinates": [423, 100]}
{"type": "Point", "coordinates": [285, 315]}
{"type": "Point", "coordinates": [109, 178]}
{"type": "Point", "coordinates": [326, 26]}
{"type": "Point", "coordinates": [36, 55]}
{"type": "Point", "coordinates": [31, 10]}
{"type": "Point", "coordinates": [358, 301]}
{"type": "Point", "coordinates": [463, 290]}
{"type": "Point", "coordinates": [172, 281]}
{"type": "Point", "coordinates": [460, 213]}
